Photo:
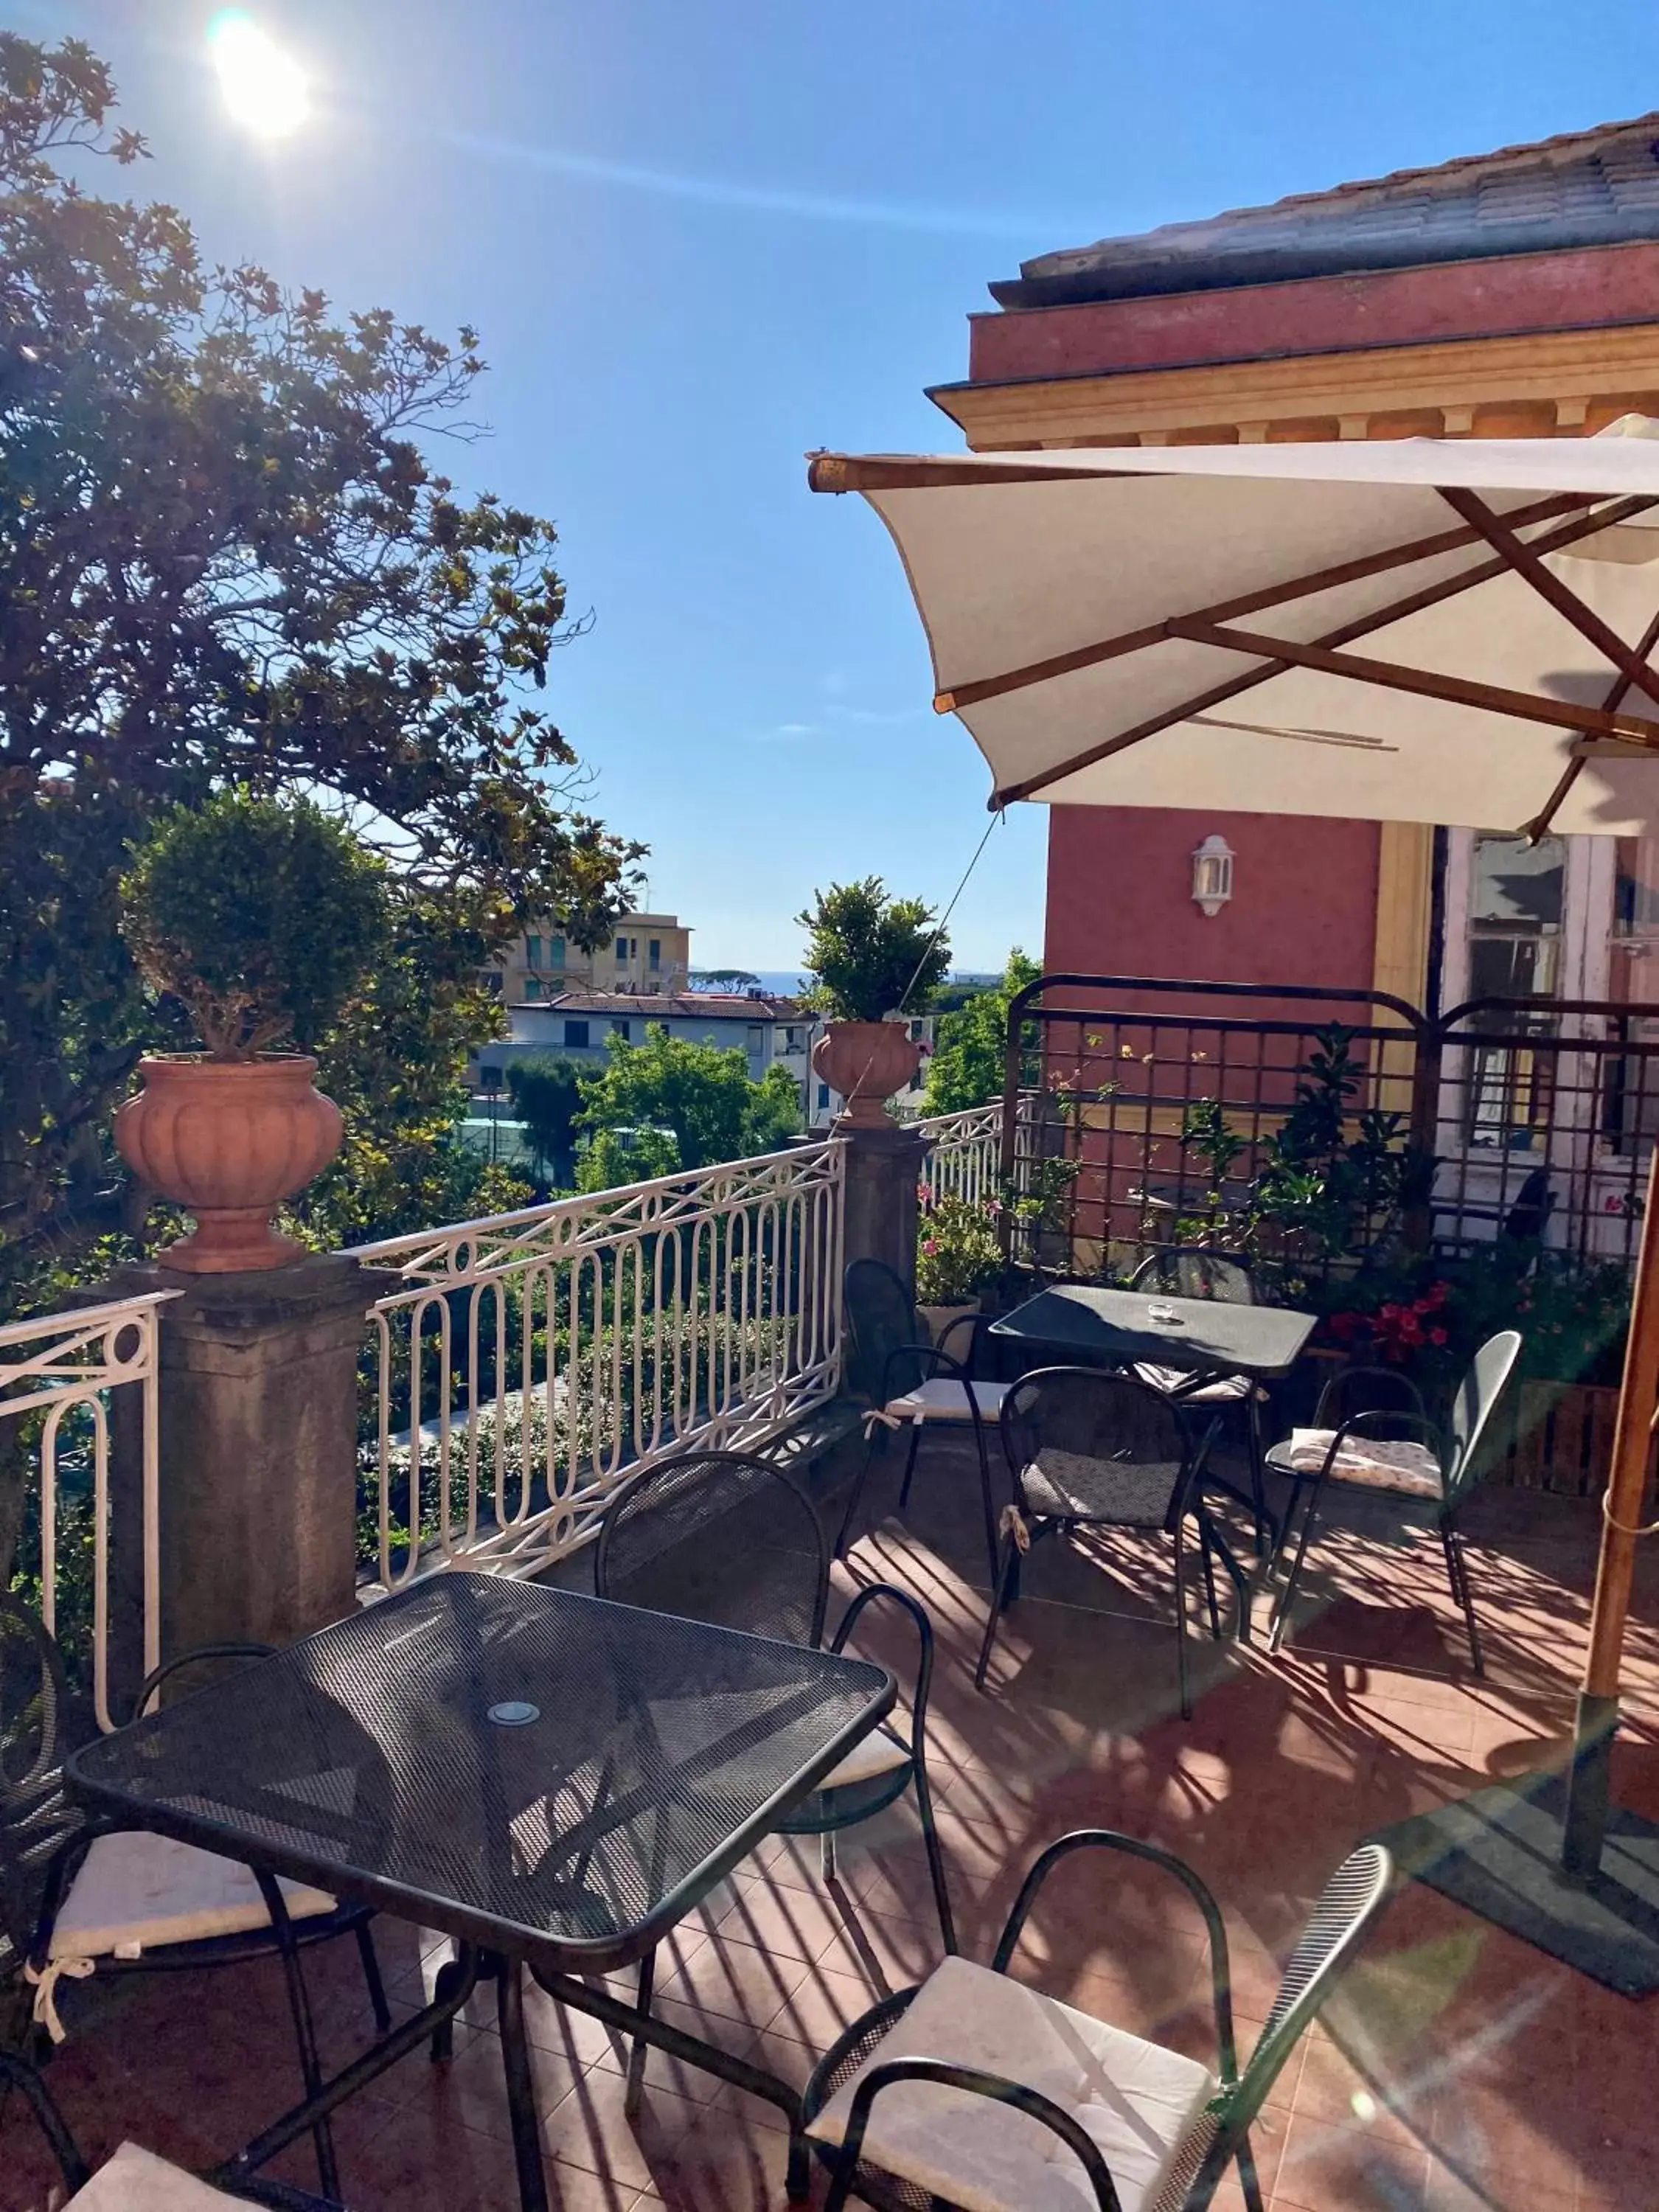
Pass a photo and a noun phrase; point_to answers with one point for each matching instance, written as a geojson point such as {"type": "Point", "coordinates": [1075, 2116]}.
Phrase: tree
{"type": "Point", "coordinates": [868, 956]}
{"type": "Point", "coordinates": [700, 1092]}
{"type": "Point", "coordinates": [724, 979]}
{"type": "Point", "coordinates": [224, 557]}
{"type": "Point", "coordinates": [547, 1096]}
{"type": "Point", "coordinates": [969, 1045]}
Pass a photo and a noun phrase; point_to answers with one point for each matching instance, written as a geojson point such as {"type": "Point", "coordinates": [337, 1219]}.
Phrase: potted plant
{"type": "Point", "coordinates": [261, 918]}
{"type": "Point", "coordinates": [867, 956]}
{"type": "Point", "coordinates": [958, 1257]}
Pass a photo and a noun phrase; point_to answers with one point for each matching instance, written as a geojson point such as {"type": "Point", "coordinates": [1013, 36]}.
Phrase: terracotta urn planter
{"type": "Point", "coordinates": [866, 1062]}
{"type": "Point", "coordinates": [229, 1139]}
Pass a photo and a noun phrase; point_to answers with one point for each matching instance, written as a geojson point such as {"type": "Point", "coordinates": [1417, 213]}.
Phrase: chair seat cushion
{"type": "Point", "coordinates": [1076, 1486]}
{"type": "Point", "coordinates": [1399, 1466]}
{"type": "Point", "coordinates": [135, 2180]}
{"type": "Point", "coordinates": [1142, 2105]}
{"type": "Point", "coordinates": [877, 1753]}
{"type": "Point", "coordinates": [942, 1398]}
{"type": "Point", "coordinates": [1179, 1382]}
{"type": "Point", "coordinates": [136, 1890]}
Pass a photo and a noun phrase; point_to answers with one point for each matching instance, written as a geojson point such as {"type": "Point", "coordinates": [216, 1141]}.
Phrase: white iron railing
{"type": "Point", "coordinates": [532, 1360]}
{"type": "Point", "coordinates": [966, 1157]}
{"type": "Point", "coordinates": [57, 1375]}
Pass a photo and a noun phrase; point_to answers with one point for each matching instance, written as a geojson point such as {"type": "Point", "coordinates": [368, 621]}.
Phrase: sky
{"type": "Point", "coordinates": [701, 240]}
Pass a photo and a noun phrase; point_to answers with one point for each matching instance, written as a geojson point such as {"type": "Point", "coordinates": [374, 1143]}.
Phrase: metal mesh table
{"type": "Point", "coordinates": [553, 1780]}
{"type": "Point", "coordinates": [1207, 1335]}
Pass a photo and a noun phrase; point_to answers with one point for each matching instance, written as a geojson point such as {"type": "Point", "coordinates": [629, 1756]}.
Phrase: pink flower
{"type": "Point", "coordinates": [930, 1246]}
{"type": "Point", "coordinates": [1436, 1336]}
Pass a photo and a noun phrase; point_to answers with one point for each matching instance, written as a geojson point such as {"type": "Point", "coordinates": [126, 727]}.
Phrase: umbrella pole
{"type": "Point", "coordinates": [1585, 1830]}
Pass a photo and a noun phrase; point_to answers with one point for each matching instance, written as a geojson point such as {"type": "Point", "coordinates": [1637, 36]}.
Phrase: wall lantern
{"type": "Point", "coordinates": [1212, 874]}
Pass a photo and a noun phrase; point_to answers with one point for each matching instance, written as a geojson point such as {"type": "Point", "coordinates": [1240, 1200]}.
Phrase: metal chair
{"type": "Point", "coordinates": [136, 2168]}
{"type": "Point", "coordinates": [907, 1382]}
{"type": "Point", "coordinates": [1395, 1451]}
{"type": "Point", "coordinates": [1007, 2070]}
{"type": "Point", "coordinates": [1193, 1270]}
{"type": "Point", "coordinates": [1088, 1448]}
{"type": "Point", "coordinates": [729, 1539]}
{"type": "Point", "coordinates": [79, 1894]}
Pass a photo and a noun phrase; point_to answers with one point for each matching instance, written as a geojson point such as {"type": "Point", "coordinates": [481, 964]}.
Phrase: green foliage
{"type": "Point", "coordinates": [723, 979]}
{"type": "Point", "coordinates": [614, 1157]}
{"type": "Point", "coordinates": [547, 1096]}
{"type": "Point", "coordinates": [969, 1047]}
{"type": "Point", "coordinates": [958, 1254]}
{"type": "Point", "coordinates": [225, 559]}
{"type": "Point", "coordinates": [868, 956]}
{"type": "Point", "coordinates": [700, 1092]}
{"type": "Point", "coordinates": [261, 915]}
{"type": "Point", "coordinates": [1330, 1183]}
{"type": "Point", "coordinates": [1431, 1316]}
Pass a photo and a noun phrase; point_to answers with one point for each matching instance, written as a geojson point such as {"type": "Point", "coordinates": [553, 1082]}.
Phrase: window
{"type": "Point", "coordinates": [533, 986]}
{"type": "Point", "coordinates": [1516, 893]}
{"type": "Point", "coordinates": [576, 1033]}
{"type": "Point", "coordinates": [619, 1028]}
{"type": "Point", "coordinates": [823, 1096]}
{"type": "Point", "coordinates": [792, 1040]}
{"type": "Point", "coordinates": [654, 955]}
{"type": "Point", "coordinates": [621, 952]}
{"type": "Point", "coordinates": [555, 953]}
{"type": "Point", "coordinates": [490, 1078]}
{"type": "Point", "coordinates": [532, 952]}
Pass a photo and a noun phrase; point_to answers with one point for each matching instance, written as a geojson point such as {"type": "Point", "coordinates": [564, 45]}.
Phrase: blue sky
{"type": "Point", "coordinates": [700, 240]}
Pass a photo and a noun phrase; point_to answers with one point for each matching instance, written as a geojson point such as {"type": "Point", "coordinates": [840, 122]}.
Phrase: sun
{"type": "Point", "coordinates": [263, 88]}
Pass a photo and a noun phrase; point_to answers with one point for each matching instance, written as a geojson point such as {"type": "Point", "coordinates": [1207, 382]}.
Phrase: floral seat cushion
{"type": "Point", "coordinates": [1398, 1466]}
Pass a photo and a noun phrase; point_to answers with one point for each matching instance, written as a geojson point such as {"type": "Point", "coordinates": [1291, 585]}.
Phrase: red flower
{"type": "Point", "coordinates": [1436, 1336]}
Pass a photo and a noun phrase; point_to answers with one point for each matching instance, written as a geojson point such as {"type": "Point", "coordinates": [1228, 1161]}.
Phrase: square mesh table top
{"type": "Point", "coordinates": [545, 1774]}
{"type": "Point", "coordinates": [1209, 1335]}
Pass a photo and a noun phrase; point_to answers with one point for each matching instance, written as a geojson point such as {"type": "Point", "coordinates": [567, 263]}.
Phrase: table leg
{"type": "Point", "coordinates": [363, 2070]}
{"type": "Point", "coordinates": [691, 2051]}
{"type": "Point", "coordinates": [521, 2086]}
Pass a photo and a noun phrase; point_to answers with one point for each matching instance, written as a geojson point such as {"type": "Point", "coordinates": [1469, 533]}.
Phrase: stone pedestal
{"type": "Point", "coordinates": [884, 1167]}
{"type": "Point", "coordinates": [258, 1449]}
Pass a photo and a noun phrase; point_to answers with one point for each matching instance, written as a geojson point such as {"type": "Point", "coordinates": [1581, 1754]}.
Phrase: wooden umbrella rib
{"type": "Point", "coordinates": [1529, 565]}
{"type": "Point", "coordinates": [1250, 602]}
{"type": "Point", "coordinates": [1564, 534]}
{"type": "Point", "coordinates": [1541, 821]}
{"type": "Point", "coordinates": [1426, 683]}
{"type": "Point", "coordinates": [838, 472]}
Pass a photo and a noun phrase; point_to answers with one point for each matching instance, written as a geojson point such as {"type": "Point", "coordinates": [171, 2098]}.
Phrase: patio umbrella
{"type": "Point", "coordinates": [1419, 631]}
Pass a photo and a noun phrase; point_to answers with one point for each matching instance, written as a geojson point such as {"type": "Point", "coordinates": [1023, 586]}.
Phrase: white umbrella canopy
{"type": "Point", "coordinates": [1420, 630]}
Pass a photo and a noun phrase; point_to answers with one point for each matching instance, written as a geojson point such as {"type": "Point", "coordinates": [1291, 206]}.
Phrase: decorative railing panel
{"type": "Point", "coordinates": [965, 1155]}
{"type": "Point", "coordinates": [532, 1361]}
{"type": "Point", "coordinates": [60, 1377]}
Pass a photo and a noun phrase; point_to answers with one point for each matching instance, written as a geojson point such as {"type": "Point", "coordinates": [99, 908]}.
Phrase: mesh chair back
{"type": "Point", "coordinates": [1354, 1390]}
{"type": "Point", "coordinates": [881, 1320]}
{"type": "Point", "coordinates": [1476, 1402]}
{"type": "Point", "coordinates": [721, 1537]}
{"type": "Point", "coordinates": [1189, 1271]}
{"type": "Point", "coordinates": [1090, 1413]}
{"type": "Point", "coordinates": [36, 1730]}
{"type": "Point", "coordinates": [1348, 1907]}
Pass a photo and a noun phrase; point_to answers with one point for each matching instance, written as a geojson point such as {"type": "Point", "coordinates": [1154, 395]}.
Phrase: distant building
{"type": "Point", "coordinates": [769, 1031]}
{"type": "Point", "coordinates": [576, 1026]}
{"type": "Point", "coordinates": [649, 952]}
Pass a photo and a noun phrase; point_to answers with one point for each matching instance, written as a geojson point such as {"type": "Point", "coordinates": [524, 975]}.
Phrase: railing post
{"type": "Point", "coordinates": [1423, 1132]}
{"type": "Point", "coordinates": [883, 1168]}
{"type": "Point", "coordinates": [256, 1531]}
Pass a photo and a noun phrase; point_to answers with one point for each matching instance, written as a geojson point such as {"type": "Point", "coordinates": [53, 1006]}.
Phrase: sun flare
{"type": "Point", "coordinates": [264, 89]}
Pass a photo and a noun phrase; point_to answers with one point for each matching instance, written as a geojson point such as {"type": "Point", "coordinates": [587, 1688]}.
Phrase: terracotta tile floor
{"type": "Point", "coordinates": [1457, 2068]}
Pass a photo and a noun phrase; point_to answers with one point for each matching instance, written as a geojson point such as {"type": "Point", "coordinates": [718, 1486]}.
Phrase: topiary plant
{"type": "Point", "coordinates": [261, 915]}
{"type": "Point", "coordinates": [868, 955]}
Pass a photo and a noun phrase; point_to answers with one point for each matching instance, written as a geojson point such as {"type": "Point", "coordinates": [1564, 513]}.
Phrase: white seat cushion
{"type": "Point", "coordinates": [1142, 2105]}
{"type": "Point", "coordinates": [136, 1890]}
{"type": "Point", "coordinates": [941, 1398]}
{"type": "Point", "coordinates": [880, 1752]}
{"type": "Point", "coordinates": [1399, 1466]}
{"type": "Point", "coordinates": [135, 2180]}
